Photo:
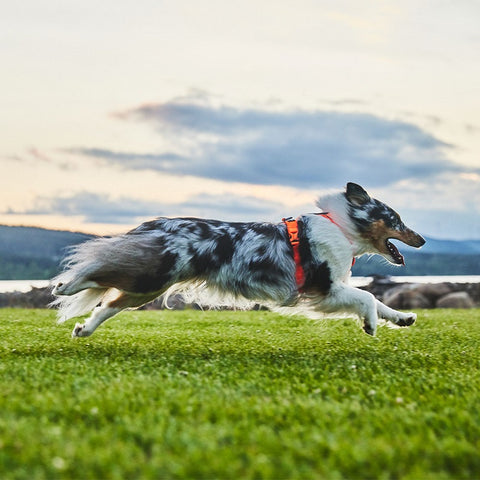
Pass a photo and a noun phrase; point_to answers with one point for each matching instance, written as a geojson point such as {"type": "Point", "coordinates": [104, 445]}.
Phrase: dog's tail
{"type": "Point", "coordinates": [75, 296]}
{"type": "Point", "coordinates": [117, 261]}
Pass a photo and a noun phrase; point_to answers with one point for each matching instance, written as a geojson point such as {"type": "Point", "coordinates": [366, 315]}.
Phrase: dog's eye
{"type": "Point", "coordinates": [395, 218]}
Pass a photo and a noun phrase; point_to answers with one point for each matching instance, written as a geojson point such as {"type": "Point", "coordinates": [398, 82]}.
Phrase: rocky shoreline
{"type": "Point", "coordinates": [406, 296]}
{"type": "Point", "coordinates": [403, 296]}
{"type": "Point", "coordinates": [35, 298]}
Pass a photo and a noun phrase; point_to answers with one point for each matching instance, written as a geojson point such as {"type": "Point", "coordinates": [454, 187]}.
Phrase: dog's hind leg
{"type": "Point", "coordinates": [398, 318]}
{"type": "Point", "coordinates": [108, 309]}
{"type": "Point", "coordinates": [99, 315]}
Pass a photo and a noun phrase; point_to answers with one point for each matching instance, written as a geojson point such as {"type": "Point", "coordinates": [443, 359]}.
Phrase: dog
{"type": "Point", "coordinates": [295, 266]}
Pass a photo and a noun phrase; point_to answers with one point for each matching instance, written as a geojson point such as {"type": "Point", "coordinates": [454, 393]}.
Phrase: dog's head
{"type": "Point", "coordinates": [377, 223]}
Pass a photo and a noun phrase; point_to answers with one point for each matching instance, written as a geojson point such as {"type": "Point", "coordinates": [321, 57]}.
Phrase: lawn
{"type": "Point", "coordinates": [233, 395]}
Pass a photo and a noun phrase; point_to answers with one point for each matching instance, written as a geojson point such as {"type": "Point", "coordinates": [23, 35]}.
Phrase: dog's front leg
{"type": "Point", "coordinates": [398, 318]}
{"type": "Point", "coordinates": [344, 298]}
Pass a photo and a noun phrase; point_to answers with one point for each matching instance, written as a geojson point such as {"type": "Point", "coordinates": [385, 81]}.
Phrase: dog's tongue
{"type": "Point", "coordinates": [397, 256]}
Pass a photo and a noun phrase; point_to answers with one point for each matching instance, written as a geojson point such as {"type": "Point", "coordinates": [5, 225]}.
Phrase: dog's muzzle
{"type": "Point", "coordinates": [407, 236]}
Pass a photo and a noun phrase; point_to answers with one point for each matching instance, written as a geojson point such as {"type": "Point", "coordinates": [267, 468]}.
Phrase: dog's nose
{"type": "Point", "coordinates": [418, 240]}
{"type": "Point", "coordinates": [411, 238]}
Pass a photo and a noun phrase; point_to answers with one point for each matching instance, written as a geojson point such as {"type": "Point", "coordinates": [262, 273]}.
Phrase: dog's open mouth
{"type": "Point", "coordinates": [395, 254]}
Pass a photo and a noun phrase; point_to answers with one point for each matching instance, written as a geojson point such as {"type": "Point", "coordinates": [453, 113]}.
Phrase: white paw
{"type": "Point", "coordinates": [80, 331]}
{"type": "Point", "coordinates": [407, 319]}
{"type": "Point", "coordinates": [59, 289]}
{"type": "Point", "coordinates": [369, 328]}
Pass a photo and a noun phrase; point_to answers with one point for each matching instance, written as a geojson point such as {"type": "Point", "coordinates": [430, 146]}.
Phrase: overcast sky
{"type": "Point", "coordinates": [116, 112]}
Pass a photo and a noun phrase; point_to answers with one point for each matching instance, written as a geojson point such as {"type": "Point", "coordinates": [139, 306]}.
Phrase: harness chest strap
{"type": "Point", "coordinates": [293, 231]}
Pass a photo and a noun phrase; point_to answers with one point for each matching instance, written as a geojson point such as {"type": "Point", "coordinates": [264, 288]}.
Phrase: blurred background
{"type": "Point", "coordinates": [113, 113]}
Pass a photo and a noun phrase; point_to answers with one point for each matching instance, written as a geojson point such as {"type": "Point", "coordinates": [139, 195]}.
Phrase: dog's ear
{"type": "Point", "coordinates": [356, 194]}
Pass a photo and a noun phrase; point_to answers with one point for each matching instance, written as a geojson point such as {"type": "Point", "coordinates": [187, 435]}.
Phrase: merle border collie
{"type": "Point", "coordinates": [296, 266]}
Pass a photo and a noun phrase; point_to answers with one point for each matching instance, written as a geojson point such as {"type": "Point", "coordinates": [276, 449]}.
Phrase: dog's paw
{"type": "Point", "coordinates": [80, 331]}
{"type": "Point", "coordinates": [407, 320]}
{"type": "Point", "coordinates": [369, 329]}
{"type": "Point", "coordinates": [59, 289]}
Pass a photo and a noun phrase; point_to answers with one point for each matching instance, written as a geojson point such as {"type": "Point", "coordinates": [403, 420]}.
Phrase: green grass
{"type": "Point", "coordinates": [239, 395]}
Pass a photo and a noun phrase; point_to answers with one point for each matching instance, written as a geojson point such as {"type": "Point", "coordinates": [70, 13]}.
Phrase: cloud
{"type": "Point", "coordinates": [134, 161]}
{"type": "Point", "coordinates": [231, 207]}
{"type": "Point", "coordinates": [93, 207]}
{"type": "Point", "coordinates": [299, 148]}
{"type": "Point", "coordinates": [100, 208]}
{"type": "Point", "coordinates": [35, 156]}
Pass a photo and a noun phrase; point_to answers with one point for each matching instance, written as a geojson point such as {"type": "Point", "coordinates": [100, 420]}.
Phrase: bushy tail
{"type": "Point", "coordinates": [78, 304]}
{"type": "Point", "coordinates": [122, 257]}
{"type": "Point", "coordinates": [77, 264]}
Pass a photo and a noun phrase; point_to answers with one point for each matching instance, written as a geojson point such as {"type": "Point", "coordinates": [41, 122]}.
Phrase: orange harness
{"type": "Point", "coordinates": [293, 231]}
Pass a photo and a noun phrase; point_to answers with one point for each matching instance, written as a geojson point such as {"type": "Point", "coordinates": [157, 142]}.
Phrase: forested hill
{"type": "Point", "coordinates": [35, 253]}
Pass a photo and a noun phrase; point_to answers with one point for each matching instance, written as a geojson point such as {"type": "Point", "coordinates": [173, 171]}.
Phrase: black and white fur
{"type": "Point", "coordinates": [237, 263]}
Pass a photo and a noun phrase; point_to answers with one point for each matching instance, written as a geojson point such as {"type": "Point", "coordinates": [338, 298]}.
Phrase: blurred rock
{"type": "Point", "coordinates": [433, 291]}
{"type": "Point", "coordinates": [406, 298]}
{"type": "Point", "coordinates": [455, 300]}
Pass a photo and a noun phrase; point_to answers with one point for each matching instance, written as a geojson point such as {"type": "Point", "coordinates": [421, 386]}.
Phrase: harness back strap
{"type": "Point", "coordinates": [293, 231]}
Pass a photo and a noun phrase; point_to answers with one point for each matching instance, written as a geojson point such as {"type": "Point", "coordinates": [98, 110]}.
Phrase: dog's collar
{"type": "Point", "coordinates": [327, 215]}
{"type": "Point", "coordinates": [293, 236]}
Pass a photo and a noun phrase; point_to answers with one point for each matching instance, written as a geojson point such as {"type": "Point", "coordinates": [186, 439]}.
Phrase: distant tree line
{"type": "Point", "coordinates": [421, 264]}
{"type": "Point", "coordinates": [24, 268]}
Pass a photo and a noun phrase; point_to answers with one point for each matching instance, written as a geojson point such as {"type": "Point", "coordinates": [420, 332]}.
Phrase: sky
{"type": "Point", "coordinates": [113, 113]}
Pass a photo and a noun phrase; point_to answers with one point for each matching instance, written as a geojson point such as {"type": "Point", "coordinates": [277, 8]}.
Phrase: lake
{"type": "Point", "coordinates": [26, 285]}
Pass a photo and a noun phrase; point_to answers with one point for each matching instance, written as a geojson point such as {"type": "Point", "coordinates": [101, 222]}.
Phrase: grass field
{"type": "Point", "coordinates": [234, 395]}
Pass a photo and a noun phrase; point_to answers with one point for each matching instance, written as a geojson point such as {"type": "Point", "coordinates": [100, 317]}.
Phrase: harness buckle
{"type": "Point", "coordinates": [292, 229]}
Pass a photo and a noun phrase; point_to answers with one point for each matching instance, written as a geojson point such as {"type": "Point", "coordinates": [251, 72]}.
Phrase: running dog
{"type": "Point", "coordinates": [293, 266]}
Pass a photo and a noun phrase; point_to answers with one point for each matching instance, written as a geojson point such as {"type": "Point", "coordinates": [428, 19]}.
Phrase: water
{"type": "Point", "coordinates": [21, 285]}
{"type": "Point", "coordinates": [362, 281]}
{"type": "Point", "coordinates": [26, 285]}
